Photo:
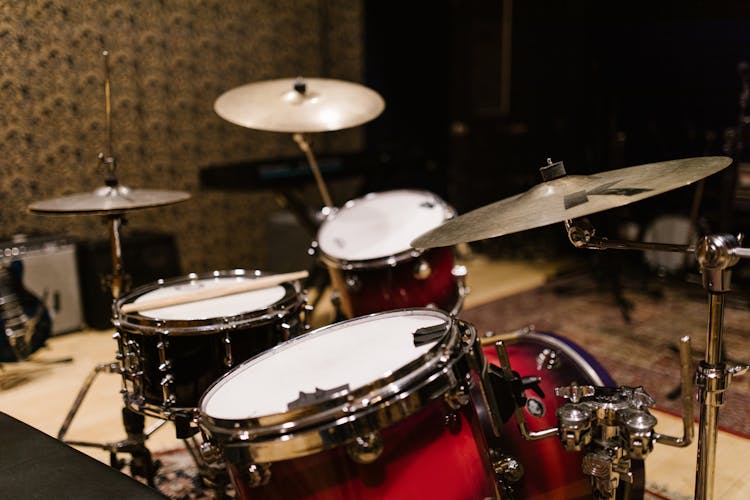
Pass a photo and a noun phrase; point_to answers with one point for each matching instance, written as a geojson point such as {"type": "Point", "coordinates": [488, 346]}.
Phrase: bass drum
{"type": "Point", "coordinates": [550, 471]}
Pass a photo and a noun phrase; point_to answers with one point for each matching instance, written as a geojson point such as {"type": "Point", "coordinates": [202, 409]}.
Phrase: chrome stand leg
{"type": "Point", "coordinates": [141, 463]}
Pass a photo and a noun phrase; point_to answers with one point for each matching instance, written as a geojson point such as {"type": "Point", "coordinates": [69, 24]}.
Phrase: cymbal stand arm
{"type": "Point", "coordinates": [304, 145]}
{"type": "Point", "coordinates": [583, 235]}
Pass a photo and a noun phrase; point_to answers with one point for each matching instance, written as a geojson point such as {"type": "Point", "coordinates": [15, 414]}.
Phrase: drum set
{"type": "Point", "coordinates": [400, 397]}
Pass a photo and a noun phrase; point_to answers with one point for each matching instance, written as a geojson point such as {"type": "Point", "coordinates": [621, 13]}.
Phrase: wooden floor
{"type": "Point", "coordinates": [44, 391]}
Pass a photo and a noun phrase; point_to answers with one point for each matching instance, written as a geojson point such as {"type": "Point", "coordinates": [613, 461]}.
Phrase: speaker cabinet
{"type": "Point", "coordinates": [146, 256]}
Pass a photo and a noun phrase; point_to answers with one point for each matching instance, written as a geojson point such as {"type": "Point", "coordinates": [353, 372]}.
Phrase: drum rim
{"type": "Point", "coordinates": [384, 260]}
{"type": "Point", "coordinates": [134, 322]}
{"type": "Point", "coordinates": [373, 407]}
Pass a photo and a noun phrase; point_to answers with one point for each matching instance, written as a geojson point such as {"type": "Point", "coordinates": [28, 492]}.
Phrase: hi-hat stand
{"type": "Point", "coordinates": [112, 201]}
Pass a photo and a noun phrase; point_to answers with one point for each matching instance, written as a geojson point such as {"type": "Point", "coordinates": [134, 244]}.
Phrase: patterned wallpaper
{"type": "Point", "coordinates": [169, 61]}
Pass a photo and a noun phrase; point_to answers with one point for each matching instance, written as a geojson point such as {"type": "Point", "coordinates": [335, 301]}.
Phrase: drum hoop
{"type": "Point", "coordinates": [385, 260]}
{"type": "Point", "coordinates": [293, 299]}
{"type": "Point", "coordinates": [378, 262]}
{"type": "Point", "coordinates": [372, 407]}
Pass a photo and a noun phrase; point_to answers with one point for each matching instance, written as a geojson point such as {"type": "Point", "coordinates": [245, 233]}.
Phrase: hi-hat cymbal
{"type": "Point", "coordinates": [569, 197]}
{"type": "Point", "coordinates": [108, 200]}
{"type": "Point", "coordinates": [299, 105]}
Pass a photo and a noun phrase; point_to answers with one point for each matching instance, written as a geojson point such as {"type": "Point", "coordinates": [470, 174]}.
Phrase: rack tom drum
{"type": "Point", "coordinates": [366, 247]}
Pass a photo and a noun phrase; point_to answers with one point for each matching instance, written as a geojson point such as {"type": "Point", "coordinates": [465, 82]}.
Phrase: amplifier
{"type": "Point", "coordinates": [50, 272]}
{"type": "Point", "coordinates": [146, 257]}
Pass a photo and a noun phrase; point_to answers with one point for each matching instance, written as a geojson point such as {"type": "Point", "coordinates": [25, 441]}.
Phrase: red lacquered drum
{"type": "Point", "coordinates": [171, 355]}
{"type": "Point", "coordinates": [550, 471]}
{"type": "Point", "coordinates": [373, 407]}
{"type": "Point", "coordinates": [366, 247]}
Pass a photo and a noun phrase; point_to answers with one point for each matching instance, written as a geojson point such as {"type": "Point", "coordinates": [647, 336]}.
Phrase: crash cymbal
{"type": "Point", "coordinates": [299, 105]}
{"type": "Point", "coordinates": [108, 200]}
{"type": "Point", "coordinates": [568, 197]}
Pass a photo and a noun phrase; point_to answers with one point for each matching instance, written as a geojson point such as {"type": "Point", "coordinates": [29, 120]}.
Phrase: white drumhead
{"type": "Point", "coordinates": [380, 224]}
{"type": "Point", "coordinates": [228, 305]}
{"type": "Point", "coordinates": [356, 352]}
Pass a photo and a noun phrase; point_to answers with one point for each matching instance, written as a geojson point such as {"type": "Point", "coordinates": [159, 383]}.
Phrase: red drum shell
{"type": "Point", "coordinates": [422, 458]}
{"type": "Point", "coordinates": [385, 287]}
{"type": "Point", "coordinates": [366, 246]}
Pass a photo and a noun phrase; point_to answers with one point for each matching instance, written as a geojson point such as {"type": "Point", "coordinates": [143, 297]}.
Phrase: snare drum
{"type": "Point", "coordinates": [171, 355]}
{"type": "Point", "coordinates": [373, 407]}
{"type": "Point", "coordinates": [366, 247]}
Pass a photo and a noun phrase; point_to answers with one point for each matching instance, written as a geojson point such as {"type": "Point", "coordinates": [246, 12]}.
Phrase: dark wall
{"type": "Point", "coordinates": [595, 84]}
{"type": "Point", "coordinates": [406, 48]}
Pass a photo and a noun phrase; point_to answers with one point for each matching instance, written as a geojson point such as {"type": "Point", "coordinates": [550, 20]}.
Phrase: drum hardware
{"type": "Point", "coordinates": [715, 254]}
{"type": "Point", "coordinates": [141, 464]}
{"type": "Point", "coordinates": [301, 106]}
{"type": "Point", "coordinates": [366, 449]}
{"type": "Point", "coordinates": [253, 442]}
{"type": "Point", "coordinates": [563, 198]}
{"type": "Point", "coordinates": [489, 338]}
{"type": "Point", "coordinates": [508, 390]}
{"type": "Point", "coordinates": [304, 145]}
{"type": "Point", "coordinates": [612, 426]}
{"type": "Point", "coordinates": [422, 270]}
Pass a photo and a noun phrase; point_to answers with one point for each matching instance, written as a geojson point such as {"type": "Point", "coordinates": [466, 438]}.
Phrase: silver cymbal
{"type": "Point", "coordinates": [569, 197]}
{"type": "Point", "coordinates": [108, 200]}
{"type": "Point", "coordinates": [299, 105]}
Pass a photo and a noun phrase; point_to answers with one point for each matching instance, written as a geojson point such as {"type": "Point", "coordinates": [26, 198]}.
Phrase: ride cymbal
{"type": "Point", "coordinates": [568, 197]}
{"type": "Point", "coordinates": [108, 200]}
{"type": "Point", "coordinates": [299, 105]}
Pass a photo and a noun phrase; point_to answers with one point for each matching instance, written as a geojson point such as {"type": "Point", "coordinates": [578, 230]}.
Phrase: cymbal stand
{"type": "Point", "coordinates": [715, 254]}
{"type": "Point", "coordinates": [141, 463]}
{"type": "Point", "coordinates": [115, 220]}
{"type": "Point", "coordinates": [304, 145]}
